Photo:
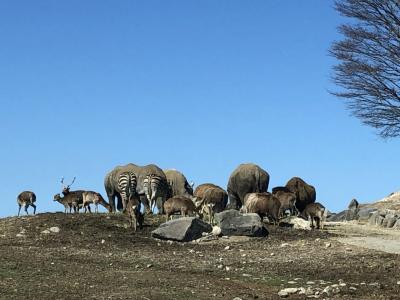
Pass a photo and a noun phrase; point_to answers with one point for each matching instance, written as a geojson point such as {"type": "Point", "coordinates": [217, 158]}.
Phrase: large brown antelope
{"type": "Point", "coordinates": [26, 199]}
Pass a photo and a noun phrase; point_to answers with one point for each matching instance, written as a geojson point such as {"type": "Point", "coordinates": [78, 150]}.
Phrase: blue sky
{"type": "Point", "coordinates": [200, 86]}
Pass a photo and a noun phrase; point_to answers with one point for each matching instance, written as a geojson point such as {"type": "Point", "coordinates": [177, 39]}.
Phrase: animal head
{"type": "Point", "coordinates": [57, 197]}
{"type": "Point", "coordinates": [66, 188]}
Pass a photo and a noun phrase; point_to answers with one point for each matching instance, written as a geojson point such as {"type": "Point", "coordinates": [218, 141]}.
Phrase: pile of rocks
{"type": "Point", "coordinates": [385, 218]}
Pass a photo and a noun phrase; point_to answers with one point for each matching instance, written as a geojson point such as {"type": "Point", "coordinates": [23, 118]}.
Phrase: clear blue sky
{"type": "Point", "coordinates": [200, 86]}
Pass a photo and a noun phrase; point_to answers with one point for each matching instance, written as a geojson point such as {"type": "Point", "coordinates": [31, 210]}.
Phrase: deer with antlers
{"type": "Point", "coordinates": [71, 199]}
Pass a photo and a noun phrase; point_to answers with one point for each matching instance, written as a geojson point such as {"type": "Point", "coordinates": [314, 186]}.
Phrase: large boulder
{"type": "Point", "coordinates": [397, 225]}
{"type": "Point", "coordinates": [232, 222]}
{"type": "Point", "coordinates": [365, 213]}
{"type": "Point", "coordinates": [389, 220]}
{"type": "Point", "coordinates": [182, 230]}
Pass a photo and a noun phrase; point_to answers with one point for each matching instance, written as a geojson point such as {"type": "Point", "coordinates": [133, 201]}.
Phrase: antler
{"type": "Point", "coordinates": [62, 182]}
{"type": "Point", "coordinates": [73, 180]}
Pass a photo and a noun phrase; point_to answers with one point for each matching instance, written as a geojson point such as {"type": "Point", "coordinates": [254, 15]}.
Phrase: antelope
{"type": "Point", "coordinates": [89, 197]}
{"type": "Point", "coordinates": [263, 204]}
{"type": "Point", "coordinates": [180, 204]}
{"type": "Point", "coordinates": [133, 212]}
{"type": "Point", "coordinates": [315, 212]}
{"type": "Point", "coordinates": [26, 199]}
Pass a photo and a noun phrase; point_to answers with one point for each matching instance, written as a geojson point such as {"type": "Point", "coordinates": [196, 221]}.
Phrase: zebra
{"type": "Point", "coordinates": [26, 199]}
{"type": "Point", "coordinates": [156, 188]}
{"type": "Point", "coordinates": [127, 187]}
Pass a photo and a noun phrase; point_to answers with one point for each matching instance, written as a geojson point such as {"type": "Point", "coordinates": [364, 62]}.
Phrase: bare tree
{"type": "Point", "coordinates": [368, 71]}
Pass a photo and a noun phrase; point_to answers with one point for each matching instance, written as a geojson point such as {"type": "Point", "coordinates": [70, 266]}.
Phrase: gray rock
{"type": "Point", "coordinates": [182, 229]}
{"type": "Point", "coordinates": [389, 221]}
{"type": "Point", "coordinates": [365, 213]}
{"type": "Point", "coordinates": [232, 222]}
{"type": "Point", "coordinates": [397, 225]}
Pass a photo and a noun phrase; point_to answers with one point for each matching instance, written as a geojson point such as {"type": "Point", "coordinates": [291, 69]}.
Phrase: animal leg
{"type": "Point", "coordinates": [26, 209]}
{"type": "Point", "coordinates": [19, 209]}
{"type": "Point", "coordinates": [34, 208]}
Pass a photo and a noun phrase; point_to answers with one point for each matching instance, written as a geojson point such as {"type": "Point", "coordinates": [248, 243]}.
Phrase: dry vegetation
{"type": "Point", "coordinates": [96, 257]}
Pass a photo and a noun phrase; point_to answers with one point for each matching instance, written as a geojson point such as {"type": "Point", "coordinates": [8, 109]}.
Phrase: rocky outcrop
{"type": "Point", "coordinates": [232, 222]}
{"type": "Point", "coordinates": [182, 230]}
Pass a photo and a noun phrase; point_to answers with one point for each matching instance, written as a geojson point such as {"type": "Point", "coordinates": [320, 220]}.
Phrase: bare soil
{"type": "Point", "coordinates": [94, 256]}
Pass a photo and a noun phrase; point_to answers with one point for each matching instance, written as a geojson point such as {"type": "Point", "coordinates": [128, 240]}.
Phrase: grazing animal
{"type": "Point", "coordinates": [246, 178]}
{"type": "Point", "coordinates": [155, 190]}
{"type": "Point", "coordinates": [211, 199]}
{"type": "Point", "coordinates": [287, 200]}
{"type": "Point", "coordinates": [89, 197]}
{"type": "Point", "coordinates": [71, 200]}
{"type": "Point", "coordinates": [26, 199]}
{"type": "Point", "coordinates": [126, 187]}
{"type": "Point", "coordinates": [178, 184]}
{"type": "Point", "coordinates": [133, 212]}
{"type": "Point", "coordinates": [315, 212]}
{"type": "Point", "coordinates": [263, 204]}
{"type": "Point", "coordinates": [180, 204]}
{"type": "Point", "coordinates": [305, 193]}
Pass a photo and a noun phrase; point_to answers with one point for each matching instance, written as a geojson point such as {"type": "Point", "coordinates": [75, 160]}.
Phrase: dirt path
{"type": "Point", "coordinates": [366, 236]}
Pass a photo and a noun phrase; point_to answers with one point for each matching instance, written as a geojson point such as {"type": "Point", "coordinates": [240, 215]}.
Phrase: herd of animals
{"type": "Point", "coordinates": [129, 187]}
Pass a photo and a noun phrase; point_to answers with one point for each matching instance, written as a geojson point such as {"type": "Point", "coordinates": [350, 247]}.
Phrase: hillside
{"type": "Point", "coordinates": [391, 202]}
{"type": "Point", "coordinates": [96, 257]}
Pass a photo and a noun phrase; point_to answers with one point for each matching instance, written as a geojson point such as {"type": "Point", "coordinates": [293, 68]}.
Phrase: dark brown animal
{"type": "Point", "coordinates": [315, 212]}
{"type": "Point", "coordinates": [178, 184]}
{"type": "Point", "coordinates": [134, 214]}
{"type": "Point", "coordinates": [305, 193]}
{"type": "Point", "coordinates": [246, 178]}
{"type": "Point", "coordinates": [263, 204]}
{"type": "Point", "coordinates": [26, 199]}
{"type": "Point", "coordinates": [179, 204]}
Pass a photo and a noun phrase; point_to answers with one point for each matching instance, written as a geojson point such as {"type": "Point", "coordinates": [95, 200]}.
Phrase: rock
{"type": "Point", "coordinates": [227, 248]}
{"type": "Point", "coordinates": [103, 241]}
{"type": "Point", "coordinates": [297, 223]}
{"type": "Point", "coordinates": [284, 245]}
{"type": "Point", "coordinates": [365, 213]}
{"type": "Point", "coordinates": [327, 245]}
{"type": "Point", "coordinates": [54, 229]}
{"type": "Point", "coordinates": [149, 266]}
{"type": "Point", "coordinates": [233, 223]}
{"type": "Point", "coordinates": [19, 235]}
{"type": "Point", "coordinates": [397, 224]}
{"type": "Point", "coordinates": [288, 291]}
{"type": "Point", "coordinates": [389, 221]}
{"type": "Point", "coordinates": [292, 282]}
{"type": "Point", "coordinates": [182, 230]}
{"type": "Point", "coordinates": [216, 231]}
{"type": "Point", "coordinates": [237, 298]}
{"type": "Point", "coordinates": [45, 231]}
{"type": "Point", "coordinates": [398, 282]}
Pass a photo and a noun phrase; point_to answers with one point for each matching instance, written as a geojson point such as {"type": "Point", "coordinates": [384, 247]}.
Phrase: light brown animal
{"type": "Point", "coordinates": [315, 212]}
{"type": "Point", "coordinates": [288, 202]}
{"type": "Point", "coordinates": [179, 204]}
{"type": "Point", "coordinates": [263, 204]}
{"type": "Point", "coordinates": [90, 197]}
{"type": "Point", "coordinates": [211, 199]}
{"type": "Point", "coordinates": [26, 199]}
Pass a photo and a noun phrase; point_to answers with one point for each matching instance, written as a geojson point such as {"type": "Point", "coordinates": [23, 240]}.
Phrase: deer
{"type": "Point", "coordinates": [180, 204]}
{"type": "Point", "coordinates": [71, 200]}
{"type": "Point", "coordinates": [89, 197]}
{"type": "Point", "coordinates": [26, 199]}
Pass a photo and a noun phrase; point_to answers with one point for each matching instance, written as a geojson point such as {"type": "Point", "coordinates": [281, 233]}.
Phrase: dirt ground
{"type": "Point", "coordinates": [97, 257]}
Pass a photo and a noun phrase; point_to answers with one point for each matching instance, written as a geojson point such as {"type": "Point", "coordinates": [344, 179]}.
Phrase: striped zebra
{"type": "Point", "coordinates": [127, 187]}
{"type": "Point", "coordinates": [155, 188]}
